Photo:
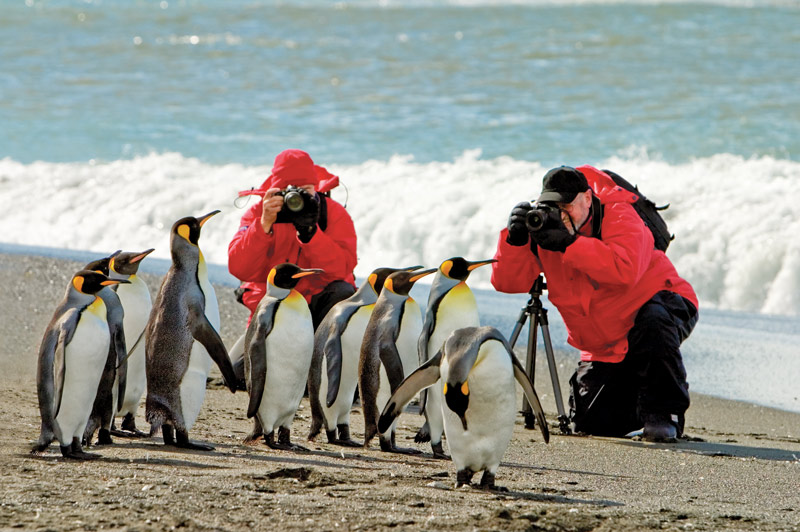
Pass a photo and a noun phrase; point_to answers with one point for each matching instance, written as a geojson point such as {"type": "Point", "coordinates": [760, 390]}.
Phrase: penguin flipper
{"type": "Point", "coordinates": [118, 340]}
{"type": "Point", "coordinates": [332, 351]}
{"type": "Point", "coordinates": [424, 376]}
{"type": "Point", "coordinates": [205, 333]}
{"type": "Point", "coordinates": [255, 355]}
{"type": "Point", "coordinates": [530, 393]}
{"type": "Point", "coordinates": [390, 358]}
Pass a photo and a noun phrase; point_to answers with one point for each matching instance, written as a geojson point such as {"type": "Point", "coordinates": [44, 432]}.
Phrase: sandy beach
{"type": "Point", "coordinates": [738, 469]}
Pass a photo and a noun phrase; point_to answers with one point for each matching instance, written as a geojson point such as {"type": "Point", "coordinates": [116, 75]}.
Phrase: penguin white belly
{"type": "Point", "coordinates": [352, 337]}
{"type": "Point", "coordinates": [290, 346]}
{"type": "Point", "coordinates": [457, 309]}
{"type": "Point", "coordinates": [84, 360]}
{"type": "Point", "coordinates": [490, 414]}
{"type": "Point", "coordinates": [193, 384]}
{"type": "Point", "coordinates": [136, 302]}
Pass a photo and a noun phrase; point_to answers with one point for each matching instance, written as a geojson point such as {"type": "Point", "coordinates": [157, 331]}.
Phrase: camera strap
{"type": "Point", "coordinates": [597, 216]}
{"type": "Point", "coordinates": [323, 212]}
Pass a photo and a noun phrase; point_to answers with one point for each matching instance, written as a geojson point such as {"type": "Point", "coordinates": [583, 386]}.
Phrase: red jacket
{"type": "Point", "coordinates": [598, 285]}
{"type": "Point", "coordinates": [252, 253]}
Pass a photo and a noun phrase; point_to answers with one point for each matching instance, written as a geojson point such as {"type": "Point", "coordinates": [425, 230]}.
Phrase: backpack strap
{"type": "Point", "coordinates": [597, 217]}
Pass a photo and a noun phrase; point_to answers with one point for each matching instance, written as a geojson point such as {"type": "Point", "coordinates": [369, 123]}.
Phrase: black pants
{"type": "Point", "coordinates": [333, 293]}
{"type": "Point", "coordinates": [612, 399]}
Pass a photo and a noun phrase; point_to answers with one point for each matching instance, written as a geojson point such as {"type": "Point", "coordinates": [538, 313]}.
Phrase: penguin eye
{"type": "Point", "coordinates": [184, 231]}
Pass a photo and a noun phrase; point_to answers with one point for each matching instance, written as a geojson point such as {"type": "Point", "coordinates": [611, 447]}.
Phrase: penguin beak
{"type": "Point", "coordinates": [306, 273]}
{"type": "Point", "coordinates": [111, 282]}
{"type": "Point", "coordinates": [204, 219]}
{"type": "Point", "coordinates": [412, 268]}
{"type": "Point", "coordinates": [477, 264]}
{"type": "Point", "coordinates": [142, 255]}
{"type": "Point", "coordinates": [422, 274]}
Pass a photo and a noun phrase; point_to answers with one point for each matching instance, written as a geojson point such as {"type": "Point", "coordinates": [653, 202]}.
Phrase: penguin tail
{"type": "Point", "coordinates": [423, 434]}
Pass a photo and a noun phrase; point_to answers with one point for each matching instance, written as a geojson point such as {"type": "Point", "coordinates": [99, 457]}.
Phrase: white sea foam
{"type": "Point", "coordinates": [736, 220]}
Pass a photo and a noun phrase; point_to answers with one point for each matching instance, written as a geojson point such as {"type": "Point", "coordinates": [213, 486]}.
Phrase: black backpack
{"type": "Point", "coordinates": [649, 213]}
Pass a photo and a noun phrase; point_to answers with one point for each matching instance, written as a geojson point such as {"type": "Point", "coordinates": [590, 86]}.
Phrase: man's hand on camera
{"type": "Point", "coordinates": [554, 239]}
{"type": "Point", "coordinates": [271, 205]}
{"type": "Point", "coordinates": [306, 220]}
{"type": "Point", "coordinates": [517, 230]}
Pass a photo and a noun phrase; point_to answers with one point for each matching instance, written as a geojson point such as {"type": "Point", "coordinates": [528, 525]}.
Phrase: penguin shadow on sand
{"type": "Point", "coordinates": [278, 347]}
{"type": "Point", "coordinates": [477, 370]}
{"type": "Point", "coordinates": [389, 353]}
{"type": "Point", "coordinates": [181, 340]}
{"type": "Point", "coordinates": [333, 376]}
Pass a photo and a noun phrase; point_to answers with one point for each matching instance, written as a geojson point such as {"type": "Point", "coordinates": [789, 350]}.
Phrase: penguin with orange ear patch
{"type": "Point", "coordinates": [72, 358]}
{"type": "Point", "coordinates": [278, 346]}
{"type": "Point", "coordinates": [181, 340]}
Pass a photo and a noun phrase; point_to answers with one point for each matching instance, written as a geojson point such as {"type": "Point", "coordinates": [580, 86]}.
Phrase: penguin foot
{"type": "Point", "coordinates": [331, 434]}
{"type": "Point", "coordinates": [344, 436]}
{"type": "Point", "coordinates": [487, 483]}
{"type": "Point", "coordinates": [75, 452]}
{"type": "Point", "coordinates": [104, 437]}
{"type": "Point", "coordinates": [438, 451]}
{"type": "Point", "coordinates": [125, 434]}
{"type": "Point", "coordinates": [129, 429]}
{"type": "Point", "coordinates": [284, 437]}
{"type": "Point", "coordinates": [423, 434]}
{"type": "Point", "coordinates": [346, 443]}
{"type": "Point", "coordinates": [388, 447]}
{"type": "Point", "coordinates": [184, 443]}
{"type": "Point", "coordinates": [464, 477]}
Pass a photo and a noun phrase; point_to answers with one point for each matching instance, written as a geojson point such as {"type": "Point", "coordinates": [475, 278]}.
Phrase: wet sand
{"type": "Point", "coordinates": [739, 468]}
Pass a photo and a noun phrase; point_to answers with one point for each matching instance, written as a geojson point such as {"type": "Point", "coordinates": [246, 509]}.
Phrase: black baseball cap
{"type": "Point", "coordinates": [562, 184]}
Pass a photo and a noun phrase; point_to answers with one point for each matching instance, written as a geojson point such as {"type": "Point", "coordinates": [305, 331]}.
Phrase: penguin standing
{"type": "Point", "coordinates": [478, 370]}
{"type": "Point", "coordinates": [333, 375]}
{"type": "Point", "coordinates": [389, 352]}
{"type": "Point", "coordinates": [114, 379]}
{"type": "Point", "coordinates": [181, 340]}
{"type": "Point", "coordinates": [136, 302]}
{"type": "Point", "coordinates": [451, 306]}
{"type": "Point", "coordinates": [279, 343]}
{"type": "Point", "coordinates": [72, 358]}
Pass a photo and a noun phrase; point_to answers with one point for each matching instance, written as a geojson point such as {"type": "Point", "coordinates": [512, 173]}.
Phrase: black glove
{"type": "Point", "coordinates": [517, 230]}
{"type": "Point", "coordinates": [305, 221]}
{"type": "Point", "coordinates": [554, 239]}
{"type": "Point", "coordinates": [305, 232]}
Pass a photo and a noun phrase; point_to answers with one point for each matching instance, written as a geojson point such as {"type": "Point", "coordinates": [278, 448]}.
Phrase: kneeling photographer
{"type": "Point", "coordinates": [295, 222]}
{"type": "Point", "coordinates": [622, 301]}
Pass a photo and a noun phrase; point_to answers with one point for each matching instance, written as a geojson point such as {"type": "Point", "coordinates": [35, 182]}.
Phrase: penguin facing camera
{"type": "Point", "coordinates": [181, 340]}
{"type": "Point", "coordinates": [72, 358]}
{"type": "Point", "coordinates": [477, 369]}
{"type": "Point", "coordinates": [279, 343]}
{"type": "Point", "coordinates": [114, 379]}
{"type": "Point", "coordinates": [136, 302]}
{"type": "Point", "coordinates": [333, 376]}
{"type": "Point", "coordinates": [451, 306]}
{"type": "Point", "coordinates": [389, 352]}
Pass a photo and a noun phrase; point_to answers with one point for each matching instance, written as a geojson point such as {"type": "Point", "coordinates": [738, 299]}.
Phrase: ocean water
{"type": "Point", "coordinates": [118, 117]}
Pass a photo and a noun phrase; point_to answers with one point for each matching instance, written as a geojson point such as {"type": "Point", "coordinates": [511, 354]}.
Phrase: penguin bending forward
{"type": "Point", "coordinates": [333, 376]}
{"type": "Point", "coordinates": [181, 340]}
{"type": "Point", "coordinates": [114, 380]}
{"type": "Point", "coordinates": [72, 358]}
{"type": "Point", "coordinates": [451, 306]}
{"type": "Point", "coordinates": [389, 352]}
{"type": "Point", "coordinates": [135, 299]}
{"type": "Point", "coordinates": [277, 354]}
{"type": "Point", "coordinates": [478, 369]}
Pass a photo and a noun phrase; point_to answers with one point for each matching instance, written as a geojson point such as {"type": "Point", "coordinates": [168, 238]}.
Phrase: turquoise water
{"type": "Point", "coordinates": [238, 81]}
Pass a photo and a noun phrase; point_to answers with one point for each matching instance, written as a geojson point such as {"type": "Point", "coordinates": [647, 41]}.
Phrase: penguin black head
{"type": "Point", "coordinates": [401, 282]}
{"type": "Point", "coordinates": [90, 282]}
{"type": "Point", "coordinates": [287, 275]}
{"type": "Point", "coordinates": [456, 394]}
{"type": "Point", "coordinates": [101, 265]}
{"type": "Point", "coordinates": [188, 228]}
{"type": "Point", "coordinates": [127, 263]}
{"type": "Point", "coordinates": [379, 275]}
{"type": "Point", "coordinates": [459, 268]}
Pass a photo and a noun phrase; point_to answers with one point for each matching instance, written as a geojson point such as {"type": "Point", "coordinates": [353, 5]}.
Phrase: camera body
{"type": "Point", "coordinates": [298, 206]}
{"type": "Point", "coordinates": [543, 216]}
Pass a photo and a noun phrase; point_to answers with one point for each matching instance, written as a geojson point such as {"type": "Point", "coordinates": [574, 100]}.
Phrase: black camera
{"type": "Point", "coordinates": [543, 216]}
{"type": "Point", "coordinates": [298, 206]}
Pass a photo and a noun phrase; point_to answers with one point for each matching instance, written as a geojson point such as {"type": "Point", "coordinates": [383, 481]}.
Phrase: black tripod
{"type": "Point", "coordinates": [538, 315]}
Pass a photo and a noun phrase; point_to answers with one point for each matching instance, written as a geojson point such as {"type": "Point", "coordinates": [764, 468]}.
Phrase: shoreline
{"type": "Point", "coordinates": [738, 469]}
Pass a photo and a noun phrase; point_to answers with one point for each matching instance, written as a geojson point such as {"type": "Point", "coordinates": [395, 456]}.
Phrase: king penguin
{"type": "Point", "coordinates": [181, 340]}
{"type": "Point", "coordinates": [114, 379]}
{"type": "Point", "coordinates": [451, 306]}
{"type": "Point", "coordinates": [279, 343]}
{"type": "Point", "coordinates": [478, 370]}
{"type": "Point", "coordinates": [136, 302]}
{"type": "Point", "coordinates": [389, 352]}
{"type": "Point", "coordinates": [333, 377]}
{"type": "Point", "coordinates": [72, 358]}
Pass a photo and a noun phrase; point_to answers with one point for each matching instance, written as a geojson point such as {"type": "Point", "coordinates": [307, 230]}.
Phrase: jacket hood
{"type": "Point", "coordinates": [605, 188]}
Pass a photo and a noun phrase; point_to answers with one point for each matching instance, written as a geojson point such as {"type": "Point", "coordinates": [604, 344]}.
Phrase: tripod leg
{"type": "Point", "coordinates": [563, 420]}
{"type": "Point", "coordinates": [530, 369]}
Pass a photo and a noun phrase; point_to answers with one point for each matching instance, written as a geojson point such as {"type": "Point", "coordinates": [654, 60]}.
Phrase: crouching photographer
{"type": "Point", "coordinates": [296, 222]}
{"type": "Point", "coordinates": [624, 306]}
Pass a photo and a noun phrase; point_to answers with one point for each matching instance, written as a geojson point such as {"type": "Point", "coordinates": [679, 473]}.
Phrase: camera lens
{"type": "Point", "coordinates": [535, 220]}
{"type": "Point", "coordinates": [293, 201]}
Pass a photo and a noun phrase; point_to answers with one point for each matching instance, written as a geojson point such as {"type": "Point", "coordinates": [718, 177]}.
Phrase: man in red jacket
{"type": "Point", "coordinates": [323, 237]}
{"type": "Point", "coordinates": [624, 305]}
